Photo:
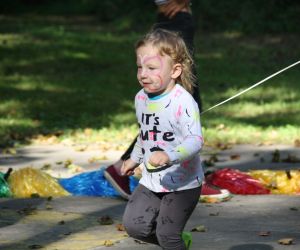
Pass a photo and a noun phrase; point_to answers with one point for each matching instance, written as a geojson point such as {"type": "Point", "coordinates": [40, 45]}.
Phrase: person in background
{"type": "Point", "coordinates": [173, 15]}
{"type": "Point", "coordinates": [168, 145]}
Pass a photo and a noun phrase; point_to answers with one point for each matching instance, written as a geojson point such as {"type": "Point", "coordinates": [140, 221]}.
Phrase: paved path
{"type": "Point", "coordinates": [74, 222]}
{"type": "Point", "coordinates": [243, 157]}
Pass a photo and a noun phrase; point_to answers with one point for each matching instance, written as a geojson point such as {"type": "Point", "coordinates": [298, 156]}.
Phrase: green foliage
{"type": "Point", "coordinates": [61, 75]}
{"type": "Point", "coordinates": [250, 16]}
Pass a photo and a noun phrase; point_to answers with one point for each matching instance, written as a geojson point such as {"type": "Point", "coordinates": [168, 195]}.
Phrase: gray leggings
{"type": "Point", "coordinates": [159, 218]}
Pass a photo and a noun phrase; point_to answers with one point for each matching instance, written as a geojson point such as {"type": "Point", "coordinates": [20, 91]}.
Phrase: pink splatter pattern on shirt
{"type": "Point", "coordinates": [161, 143]}
{"type": "Point", "coordinates": [179, 112]}
{"type": "Point", "coordinates": [185, 164]}
{"type": "Point", "coordinates": [200, 138]}
{"type": "Point", "coordinates": [141, 97]}
{"type": "Point", "coordinates": [151, 136]}
{"type": "Point", "coordinates": [178, 93]}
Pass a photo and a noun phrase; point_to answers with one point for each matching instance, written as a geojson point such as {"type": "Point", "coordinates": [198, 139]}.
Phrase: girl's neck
{"type": "Point", "coordinates": [158, 95]}
{"type": "Point", "coordinates": [153, 96]}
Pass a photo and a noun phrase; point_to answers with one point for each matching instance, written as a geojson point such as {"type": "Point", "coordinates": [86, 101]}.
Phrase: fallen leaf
{"type": "Point", "coordinates": [81, 148]}
{"type": "Point", "coordinates": [48, 207]}
{"type": "Point", "coordinates": [10, 151]}
{"type": "Point", "coordinates": [46, 166]}
{"type": "Point", "coordinates": [108, 243]}
{"type": "Point", "coordinates": [105, 220]}
{"type": "Point", "coordinates": [68, 162]}
{"type": "Point", "coordinates": [235, 157]}
{"type": "Point", "coordinates": [98, 158]}
{"type": "Point", "coordinates": [286, 241]}
{"type": "Point", "coordinates": [46, 139]}
{"type": "Point", "coordinates": [276, 156]}
{"type": "Point", "coordinates": [28, 210]}
{"type": "Point", "coordinates": [291, 159]}
{"type": "Point", "coordinates": [93, 160]}
{"type": "Point", "coordinates": [35, 246]}
{"type": "Point", "coordinates": [75, 168]}
{"type": "Point", "coordinates": [199, 228]}
{"type": "Point", "coordinates": [35, 195]}
{"type": "Point", "coordinates": [214, 214]}
{"type": "Point", "coordinates": [264, 233]}
{"type": "Point", "coordinates": [211, 161]}
{"type": "Point", "coordinates": [223, 146]}
{"type": "Point", "coordinates": [120, 227]}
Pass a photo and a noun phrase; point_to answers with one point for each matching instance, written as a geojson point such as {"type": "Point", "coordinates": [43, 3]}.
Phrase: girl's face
{"type": "Point", "coordinates": [155, 73]}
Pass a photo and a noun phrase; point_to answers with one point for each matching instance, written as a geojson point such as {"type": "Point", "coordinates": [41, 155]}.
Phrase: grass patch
{"type": "Point", "coordinates": [66, 76]}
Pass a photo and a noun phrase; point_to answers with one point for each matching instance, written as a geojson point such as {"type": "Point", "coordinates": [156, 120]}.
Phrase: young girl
{"type": "Point", "coordinates": [168, 145]}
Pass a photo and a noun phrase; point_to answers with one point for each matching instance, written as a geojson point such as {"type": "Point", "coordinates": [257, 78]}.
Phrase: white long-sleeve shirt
{"type": "Point", "coordinates": [170, 124]}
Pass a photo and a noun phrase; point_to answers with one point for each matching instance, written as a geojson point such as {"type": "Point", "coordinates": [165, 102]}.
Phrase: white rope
{"type": "Point", "coordinates": [251, 87]}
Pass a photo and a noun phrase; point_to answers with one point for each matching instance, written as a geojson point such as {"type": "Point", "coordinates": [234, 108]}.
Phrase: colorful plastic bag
{"type": "Point", "coordinates": [237, 182]}
{"type": "Point", "coordinates": [4, 187]}
{"type": "Point", "coordinates": [92, 184]}
{"type": "Point", "coordinates": [279, 182]}
{"type": "Point", "coordinates": [31, 182]}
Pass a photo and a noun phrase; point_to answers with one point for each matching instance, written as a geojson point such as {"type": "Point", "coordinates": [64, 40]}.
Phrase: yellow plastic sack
{"type": "Point", "coordinates": [29, 182]}
{"type": "Point", "coordinates": [279, 182]}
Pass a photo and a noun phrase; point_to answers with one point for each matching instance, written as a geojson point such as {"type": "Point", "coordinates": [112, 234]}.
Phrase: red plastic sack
{"type": "Point", "coordinates": [237, 182]}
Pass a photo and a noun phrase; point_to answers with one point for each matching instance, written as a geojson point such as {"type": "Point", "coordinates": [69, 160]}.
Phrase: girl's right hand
{"type": "Point", "coordinates": [128, 167]}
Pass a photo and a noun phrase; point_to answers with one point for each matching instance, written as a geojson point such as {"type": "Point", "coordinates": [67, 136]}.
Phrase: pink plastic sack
{"type": "Point", "coordinates": [237, 182]}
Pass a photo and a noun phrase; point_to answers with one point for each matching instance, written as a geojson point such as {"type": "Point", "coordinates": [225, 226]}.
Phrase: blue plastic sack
{"type": "Point", "coordinates": [92, 184]}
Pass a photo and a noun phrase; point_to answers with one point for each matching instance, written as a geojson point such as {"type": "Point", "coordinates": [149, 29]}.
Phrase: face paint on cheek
{"type": "Point", "coordinates": [160, 80]}
{"type": "Point", "coordinates": [144, 59]}
{"type": "Point", "coordinates": [158, 84]}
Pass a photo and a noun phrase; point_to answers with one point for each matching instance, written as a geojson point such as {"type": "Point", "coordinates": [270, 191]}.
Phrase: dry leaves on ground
{"type": "Point", "coordinates": [105, 220]}
{"type": "Point", "coordinates": [108, 243]}
{"type": "Point", "coordinates": [235, 157]}
{"type": "Point", "coordinates": [199, 228]}
{"type": "Point", "coordinates": [286, 241]}
{"type": "Point", "coordinates": [264, 233]}
{"type": "Point", "coordinates": [120, 227]}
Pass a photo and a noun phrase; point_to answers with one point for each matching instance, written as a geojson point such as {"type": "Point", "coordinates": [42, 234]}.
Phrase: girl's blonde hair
{"type": "Point", "coordinates": [171, 44]}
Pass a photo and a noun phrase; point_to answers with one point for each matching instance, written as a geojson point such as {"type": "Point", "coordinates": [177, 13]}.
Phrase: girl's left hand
{"type": "Point", "coordinates": [159, 158]}
{"type": "Point", "coordinates": [128, 167]}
